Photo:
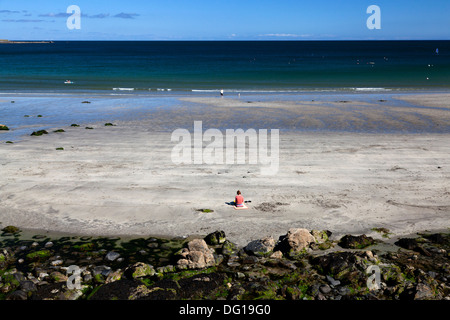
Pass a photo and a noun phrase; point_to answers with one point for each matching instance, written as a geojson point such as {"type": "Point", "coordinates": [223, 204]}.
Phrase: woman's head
{"type": "Point", "coordinates": [238, 192]}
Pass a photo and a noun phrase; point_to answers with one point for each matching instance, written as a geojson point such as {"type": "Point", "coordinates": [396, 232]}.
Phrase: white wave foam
{"type": "Point", "coordinates": [371, 89]}
{"type": "Point", "coordinates": [123, 89]}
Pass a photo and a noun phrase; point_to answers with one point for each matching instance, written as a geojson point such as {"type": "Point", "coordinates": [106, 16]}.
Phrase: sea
{"type": "Point", "coordinates": [233, 66]}
{"type": "Point", "coordinates": [44, 85]}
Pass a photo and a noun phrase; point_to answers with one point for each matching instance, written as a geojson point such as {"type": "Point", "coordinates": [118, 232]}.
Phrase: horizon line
{"type": "Point", "coordinates": [216, 40]}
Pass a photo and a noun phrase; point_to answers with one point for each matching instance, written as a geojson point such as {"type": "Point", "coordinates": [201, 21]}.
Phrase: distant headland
{"type": "Point", "coordinates": [19, 42]}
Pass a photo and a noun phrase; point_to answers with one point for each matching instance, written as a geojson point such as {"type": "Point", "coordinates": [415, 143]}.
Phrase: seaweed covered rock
{"type": "Point", "coordinates": [39, 133]}
{"type": "Point", "coordinates": [344, 266]}
{"type": "Point", "coordinates": [11, 229]}
{"type": "Point", "coordinates": [3, 127]}
{"type": "Point", "coordinates": [321, 236]}
{"type": "Point", "coordinates": [229, 248]}
{"type": "Point", "coordinates": [215, 238]}
{"type": "Point", "coordinates": [412, 244]}
{"type": "Point", "coordinates": [138, 270]}
{"type": "Point", "coordinates": [356, 242]}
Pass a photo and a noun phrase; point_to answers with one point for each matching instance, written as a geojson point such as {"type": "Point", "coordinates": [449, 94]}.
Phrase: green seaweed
{"type": "Point", "coordinates": [11, 229]}
{"type": "Point", "coordinates": [39, 255]}
{"type": "Point", "coordinates": [205, 210]}
{"type": "Point", "coordinates": [39, 133]}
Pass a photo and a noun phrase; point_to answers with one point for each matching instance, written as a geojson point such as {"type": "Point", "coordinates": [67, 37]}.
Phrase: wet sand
{"type": "Point", "coordinates": [121, 180]}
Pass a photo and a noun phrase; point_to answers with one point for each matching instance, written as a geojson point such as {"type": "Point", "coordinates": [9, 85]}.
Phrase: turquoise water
{"type": "Point", "coordinates": [155, 67]}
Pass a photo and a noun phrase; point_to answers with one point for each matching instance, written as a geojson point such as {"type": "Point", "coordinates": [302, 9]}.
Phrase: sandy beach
{"type": "Point", "coordinates": [121, 180]}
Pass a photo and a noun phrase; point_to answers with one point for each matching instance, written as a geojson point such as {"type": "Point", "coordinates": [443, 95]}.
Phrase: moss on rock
{"type": "Point", "coordinates": [39, 133]}
{"type": "Point", "coordinates": [11, 229]}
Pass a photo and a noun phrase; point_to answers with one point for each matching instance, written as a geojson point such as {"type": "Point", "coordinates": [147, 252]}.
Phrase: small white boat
{"type": "Point", "coordinates": [68, 82]}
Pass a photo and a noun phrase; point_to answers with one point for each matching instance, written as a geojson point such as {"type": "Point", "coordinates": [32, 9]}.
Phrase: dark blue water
{"type": "Point", "coordinates": [234, 66]}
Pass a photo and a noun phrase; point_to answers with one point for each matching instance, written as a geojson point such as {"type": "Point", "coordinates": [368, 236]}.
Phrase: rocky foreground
{"type": "Point", "coordinates": [302, 264]}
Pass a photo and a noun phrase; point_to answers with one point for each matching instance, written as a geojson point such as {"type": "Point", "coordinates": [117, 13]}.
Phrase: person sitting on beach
{"type": "Point", "coordinates": [239, 200]}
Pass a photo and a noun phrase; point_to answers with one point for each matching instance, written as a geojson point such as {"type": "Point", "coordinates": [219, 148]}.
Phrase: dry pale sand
{"type": "Point", "coordinates": [121, 181]}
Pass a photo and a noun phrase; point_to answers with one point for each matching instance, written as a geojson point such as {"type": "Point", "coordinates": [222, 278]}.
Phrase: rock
{"type": "Point", "coordinates": [138, 270]}
{"type": "Point", "coordinates": [39, 133]}
{"type": "Point", "coordinates": [283, 263]}
{"type": "Point", "coordinates": [166, 269]}
{"type": "Point", "coordinates": [406, 243]}
{"type": "Point", "coordinates": [321, 236]}
{"type": "Point", "coordinates": [114, 276]}
{"type": "Point", "coordinates": [87, 277]}
{"type": "Point", "coordinates": [233, 261]}
{"type": "Point", "coordinates": [423, 251]}
{"type": "Point", "coordinates": [40, 255]}
{"type": "Point", "coordinates": [123, 289]}
{"type": "Point", "coordinates": [58, 276]}
{"type": "Point", "coordinates": [18, 295]}
{"type": "Point", "coordinates": [250, 260]}
{"type": "Point", "coordinates": [197, 255]}
{"type": "Point", "coordinates": [111, 256]}
{"type": "Point", "coordinates": [325, 289]}
{"type": "Point", "coordinates": [11, 229]}
{"type": "Point", "coordinates": [411, 244]}
{"type": "Point", "coordinates": [215, 238]}
{"type": "Point", "coordinates": [277, 255]}
{"type": "Point", "coordinates": [28, 286]}
{"type": "Point", "coordinates": [229, 248]}
{"type": "Point", "coordinates": [48, 244]}
{"type": "Point", "coordinates": [371, 257]}
{"type": "Point", "coordinates": [3, 127]}
{"type": "Point", "coordinates": [42, 275]}
{"type": "Point", "coordinates": [153, 245]}
{"type": "Point", "coordinates": [197, 245]}
{"type": "Point", "coordinates": [295, 242]}
{"type": "Point", "coordinates": [335, 264]}
{"type": "Point", "coordinates": [56, 262]}
{"type": "Point", "coordinates": [197, 258]}
{"type": "Point", "coordinates": [73, 294]}
{"type": "Point", "coordinates": [333, 282]}
{"type": "Point", "coordinates": [291, 293]}
{"type": "Point", "coordinates": [356, 242]}
{"type": "Point", "coordinates": [436, 238]}
{"type": "Point", "coordinates": [423, 292]}
{"type": "Point", "coordinates": [263, 247]}
{"type": "Point", "coordinates": [101, 270]}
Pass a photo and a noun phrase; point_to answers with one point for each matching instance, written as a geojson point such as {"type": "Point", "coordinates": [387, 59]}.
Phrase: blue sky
{"type": "Point", "coordinates": [224, 20]}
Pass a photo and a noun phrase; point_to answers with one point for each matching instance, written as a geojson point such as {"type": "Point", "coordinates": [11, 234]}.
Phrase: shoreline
{"type": "Point", "coordinates": [386, 237]}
